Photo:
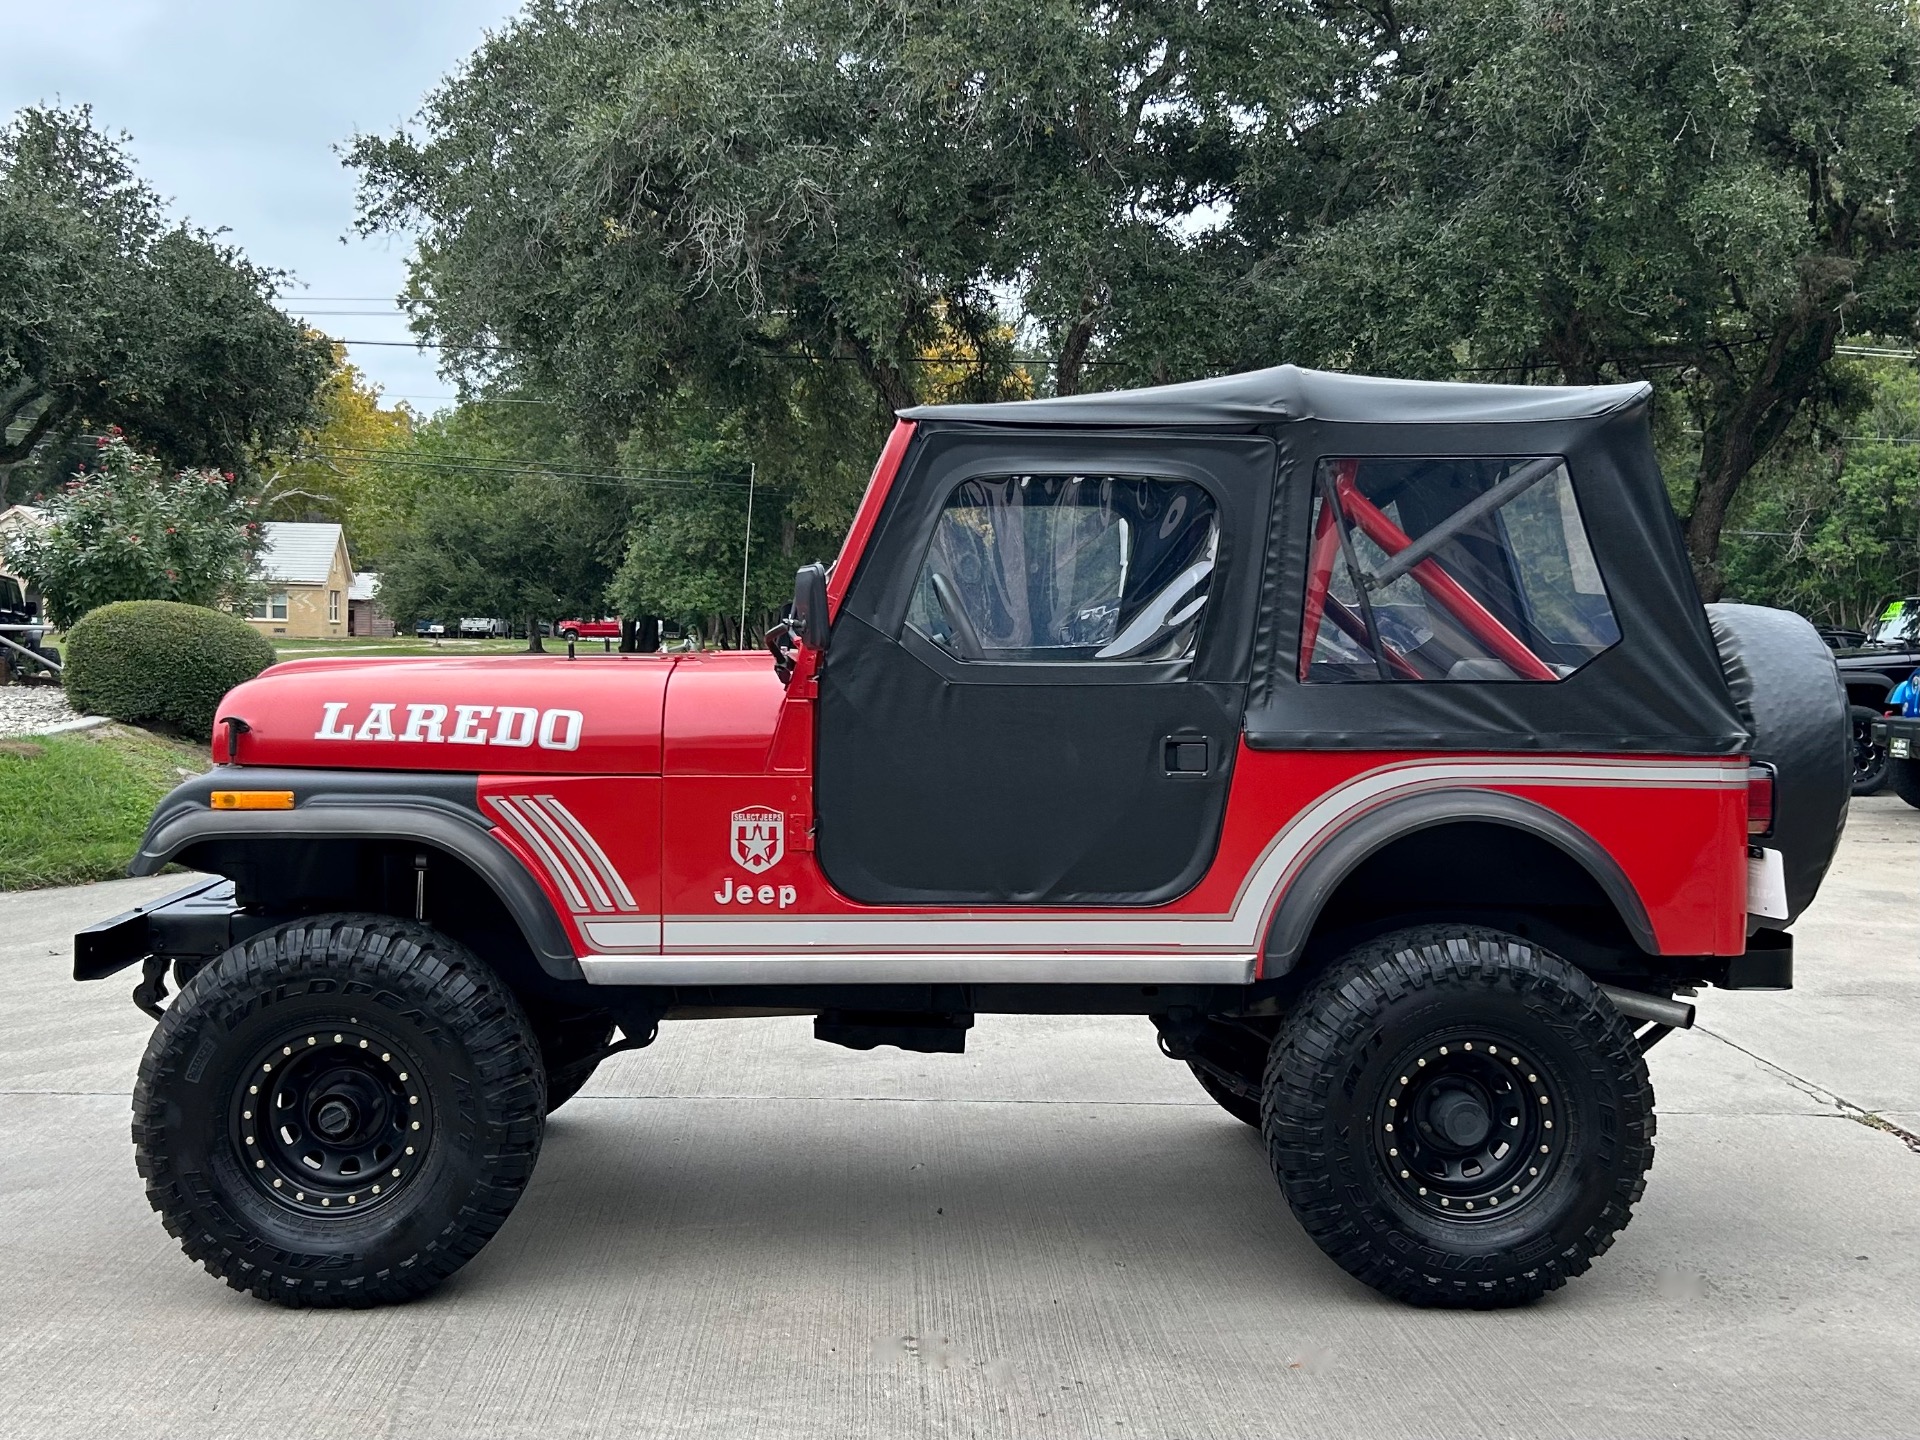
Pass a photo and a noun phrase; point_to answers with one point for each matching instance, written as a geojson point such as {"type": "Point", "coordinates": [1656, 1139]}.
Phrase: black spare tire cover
{"type": "Point", "coordinates": [1788, 692]}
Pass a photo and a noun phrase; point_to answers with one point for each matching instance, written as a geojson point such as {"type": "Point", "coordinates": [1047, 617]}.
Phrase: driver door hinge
{"type": "Point", "coordinates": [800, 827]}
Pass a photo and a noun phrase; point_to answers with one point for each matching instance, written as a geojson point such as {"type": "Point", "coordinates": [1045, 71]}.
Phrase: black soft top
{"type": "Point", "coordinates": [1659, 691]}
{"type": "Point", "coordinates": [1287, 392]}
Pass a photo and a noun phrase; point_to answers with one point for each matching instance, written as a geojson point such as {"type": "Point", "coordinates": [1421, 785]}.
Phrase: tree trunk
{"type": "Point", "coordinates": [1746, 416]}
{"type": "Point", "coordinates": [534, 647]}
{"type": "Point", "coordinates": [1074, 345]}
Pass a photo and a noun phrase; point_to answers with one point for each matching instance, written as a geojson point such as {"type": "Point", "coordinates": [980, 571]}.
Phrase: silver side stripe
{"type": "Point", "coordinates": [579, 867]}
{"type": "Point", "coordinates": [623, 899]}
{"type": "Point", "coordinates": [972, 968]}
{"type": "Point", "coordinates": [1238, 930]}
{"type": "Point", "coordinates": [641, 933]}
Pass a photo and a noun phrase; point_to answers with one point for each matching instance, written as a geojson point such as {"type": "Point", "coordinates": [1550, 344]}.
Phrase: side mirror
{"type": "Point", "coordinates": [809, 621]}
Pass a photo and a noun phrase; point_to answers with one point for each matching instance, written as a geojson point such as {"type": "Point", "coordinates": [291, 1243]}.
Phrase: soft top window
{"type": "Point", "coordinates": [1463, 569]}
{"type": "Point", "coordinates": [1068, 567]}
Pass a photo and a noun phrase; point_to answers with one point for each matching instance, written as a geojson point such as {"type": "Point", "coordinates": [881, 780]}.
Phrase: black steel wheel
{"type": "Point", "coordinates": [1869, 755]}
{"type": "Point", "coordinates": [340, 1111]}
{"type": "Point", "coordinates": [1459, 1117]}
{"type": "Point", "coordinates": [332, 1117]}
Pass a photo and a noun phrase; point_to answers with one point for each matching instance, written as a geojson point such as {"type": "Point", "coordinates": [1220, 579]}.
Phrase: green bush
{"type": "Point", "coordinates": [158, 661]}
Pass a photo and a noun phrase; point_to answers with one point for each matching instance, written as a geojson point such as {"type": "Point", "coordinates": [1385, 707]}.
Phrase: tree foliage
{"type": "Point", "coordinates": [330, 464]}
{"type": "Point", "coordinates": [128, 529]}
{"type": "Point", "coordinates": [484, 511]}
{"type": "Point", "coordinates": [1831, 526]}
{"type": "Point", "coordinates": [111, 314]}
{"type": "Point", "coordinates": [795, 214]}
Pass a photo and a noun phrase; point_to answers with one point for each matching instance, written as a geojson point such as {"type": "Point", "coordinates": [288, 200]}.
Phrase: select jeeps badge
{"type": "Point", "coordinates": [759, 838]}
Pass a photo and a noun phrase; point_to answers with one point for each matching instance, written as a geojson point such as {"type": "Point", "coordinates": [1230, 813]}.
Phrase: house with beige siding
{"type": "Point", "coordinates": [307, 578]}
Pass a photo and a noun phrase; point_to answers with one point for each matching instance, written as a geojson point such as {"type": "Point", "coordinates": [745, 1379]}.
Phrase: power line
{"type": "Point", "coordinates": [480, 465]}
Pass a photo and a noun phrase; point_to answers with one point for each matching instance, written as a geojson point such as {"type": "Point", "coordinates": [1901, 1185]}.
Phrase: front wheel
{"type": "Point", "coordinates": [1870, 764]}
{"type": "Point", "coordinates": [339, 1111]}
{"type": "Point", "coordinates": [1459, 1117]}
{"type": "Point", "coordinates": [569, 633]}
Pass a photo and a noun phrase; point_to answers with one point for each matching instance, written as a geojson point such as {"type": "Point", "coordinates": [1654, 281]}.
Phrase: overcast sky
{"type": "Point", "coordinates": [236, 107]}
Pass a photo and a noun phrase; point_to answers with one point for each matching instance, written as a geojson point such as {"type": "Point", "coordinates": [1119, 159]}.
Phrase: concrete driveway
{"type": "Point", "coordinates": [740, 1232]}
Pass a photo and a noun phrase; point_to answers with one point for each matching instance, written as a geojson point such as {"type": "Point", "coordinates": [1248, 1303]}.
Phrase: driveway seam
{"type": "Point", "coordinates": [1813, 1090]}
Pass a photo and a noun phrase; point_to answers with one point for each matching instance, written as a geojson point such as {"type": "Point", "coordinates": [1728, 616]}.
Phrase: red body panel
{"type": "Point", "coordinates": [868, 515]}
{"type": "Point", "coordinates": [730, 786]}
{"type": "Point", "coordinates": [538, 714]}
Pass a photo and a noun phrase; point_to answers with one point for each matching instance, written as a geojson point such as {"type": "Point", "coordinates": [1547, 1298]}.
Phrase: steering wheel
{"type": "Point", "coordinates": [966, 639]}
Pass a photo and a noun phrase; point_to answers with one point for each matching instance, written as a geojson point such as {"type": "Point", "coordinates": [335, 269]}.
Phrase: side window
{"type": "Point", "coordinates": [1068, 568]}
{"type": "Point", "coordinates": [1450, 569]}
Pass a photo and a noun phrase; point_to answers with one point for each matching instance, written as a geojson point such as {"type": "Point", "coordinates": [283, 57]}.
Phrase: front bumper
{"type": "Point", "coordinates": [195, 923]}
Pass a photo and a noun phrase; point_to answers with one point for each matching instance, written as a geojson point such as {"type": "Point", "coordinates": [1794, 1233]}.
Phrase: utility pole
{"type": "Point", "coordinates": [746, 556]}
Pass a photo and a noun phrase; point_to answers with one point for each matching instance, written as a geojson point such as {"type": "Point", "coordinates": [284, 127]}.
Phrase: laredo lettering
{"type": "Point", "coordinates": [516, 727]}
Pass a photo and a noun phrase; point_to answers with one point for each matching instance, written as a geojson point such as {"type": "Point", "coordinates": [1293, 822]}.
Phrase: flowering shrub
{"type": "Point", "coordinates": [127, 530]}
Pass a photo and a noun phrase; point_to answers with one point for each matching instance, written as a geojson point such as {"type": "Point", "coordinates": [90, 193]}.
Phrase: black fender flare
{"type": "Point", "coordinates": [1301, 903]}
{"type": "Point", "coordinates": [450, 827]}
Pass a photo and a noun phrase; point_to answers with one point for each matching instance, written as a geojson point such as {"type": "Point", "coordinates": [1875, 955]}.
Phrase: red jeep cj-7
{"type": "Point", "coordinates": [1367, 735]}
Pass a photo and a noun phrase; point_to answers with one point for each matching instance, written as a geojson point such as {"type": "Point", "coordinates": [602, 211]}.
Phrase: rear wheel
{"type": "Point", "coordinates": [1905, 775]}
{"type": "Point", "coordinates": [340, 1111]}
{"type": "Point", "coordinates": [1458, 1117]}
{"type": "Point", "coordinates": [1870, 762]}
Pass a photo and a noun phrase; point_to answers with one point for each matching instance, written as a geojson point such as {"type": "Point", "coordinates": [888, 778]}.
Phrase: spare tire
{"type": "Point", "coordinates": [1788, 692]}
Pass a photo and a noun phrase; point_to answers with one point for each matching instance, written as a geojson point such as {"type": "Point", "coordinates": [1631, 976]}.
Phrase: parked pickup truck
{"type": "Point", "coordinates": [588, 629]}
{"type": "Point", "coordinates": [1367, 736]}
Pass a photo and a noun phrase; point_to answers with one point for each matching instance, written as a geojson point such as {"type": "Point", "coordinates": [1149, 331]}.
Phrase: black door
{"type": "Point", "coordinates": [1034, 692]}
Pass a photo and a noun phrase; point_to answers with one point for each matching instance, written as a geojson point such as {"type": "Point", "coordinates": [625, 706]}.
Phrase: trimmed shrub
{"type": "Point", "coordinates": [158, 662]}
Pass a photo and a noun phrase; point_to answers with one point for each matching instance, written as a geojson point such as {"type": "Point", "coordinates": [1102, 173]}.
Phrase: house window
{"type": "Point", "coordinates": [333, 607]}
{"type": "Point", "coordinates": [271, 606]}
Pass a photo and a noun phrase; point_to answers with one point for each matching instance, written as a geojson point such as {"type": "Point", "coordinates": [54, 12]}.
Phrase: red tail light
{"type": "Point", "coordinates": [1759, 801]}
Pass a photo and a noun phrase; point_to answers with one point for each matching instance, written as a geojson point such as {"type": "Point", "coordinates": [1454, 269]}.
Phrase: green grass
{"type": "Point", "coordinates": [73, 807]}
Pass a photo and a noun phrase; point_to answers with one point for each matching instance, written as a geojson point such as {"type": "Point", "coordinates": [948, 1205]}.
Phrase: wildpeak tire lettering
{"type": "Point", "coordinates": [517, 727]}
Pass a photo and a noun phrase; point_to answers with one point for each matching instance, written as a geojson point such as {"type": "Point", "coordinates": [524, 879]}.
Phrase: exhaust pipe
{"type": "Point", "coordinates": [1636, 1005]}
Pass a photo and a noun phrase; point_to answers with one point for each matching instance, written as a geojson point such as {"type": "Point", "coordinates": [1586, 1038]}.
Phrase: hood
{"type": "Point", "coordinates": [537, 714]}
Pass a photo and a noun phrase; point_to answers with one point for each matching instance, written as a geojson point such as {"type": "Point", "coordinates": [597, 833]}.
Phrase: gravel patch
{"type": "Point", "coordinates": [38, 710]}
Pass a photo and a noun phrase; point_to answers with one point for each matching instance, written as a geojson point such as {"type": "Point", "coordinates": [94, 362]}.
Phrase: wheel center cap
{"type": "Point", "coordinates": [1460, 1117]}
{"type": "Point", "coordinates": [335, 1117]}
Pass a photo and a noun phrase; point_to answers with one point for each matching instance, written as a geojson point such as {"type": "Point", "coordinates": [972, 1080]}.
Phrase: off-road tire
{"type": "Point", "coordinates": [1871, 765]}
{"type": "Point", "coordinates": [420, 1001]}
{"type": "Point", "coordinates": [565, 1044]}
{"type": "Point", "coordinates": [1904, 776]}
{"type": "Point", "coordinates": [1349, 1045]}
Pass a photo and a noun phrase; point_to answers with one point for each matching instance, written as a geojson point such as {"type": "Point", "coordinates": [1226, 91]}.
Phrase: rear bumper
{"type": "Point", "coordinates": [1766, 965]}
{"type": "Point", "coordinates": [1900, 734]}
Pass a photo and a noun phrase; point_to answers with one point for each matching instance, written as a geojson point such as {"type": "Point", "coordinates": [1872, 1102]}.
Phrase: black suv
{"type": "Point", "coordinates": [1870, 670]}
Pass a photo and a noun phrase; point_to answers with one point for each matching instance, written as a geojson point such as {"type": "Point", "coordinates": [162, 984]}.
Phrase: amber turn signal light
{"type": "Point", "coordinates": [251, 800]}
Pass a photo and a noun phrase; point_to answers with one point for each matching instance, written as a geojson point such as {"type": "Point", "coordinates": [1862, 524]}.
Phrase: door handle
{"type": "Point", "coordinates": [1186, 754]}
